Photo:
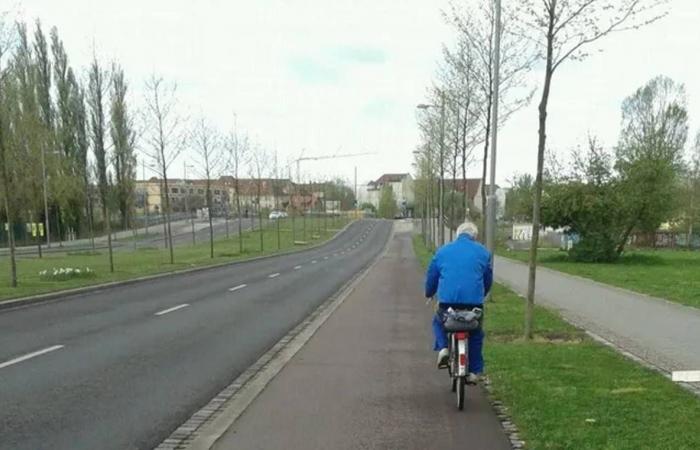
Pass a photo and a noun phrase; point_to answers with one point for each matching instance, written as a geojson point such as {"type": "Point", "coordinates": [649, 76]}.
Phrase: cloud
{"type": "Point", "coordinates": [330, 65]}
{"type": "Point", "coordinates": [358, 55]}
{"type": "Point", "coordinates": [311, 71]}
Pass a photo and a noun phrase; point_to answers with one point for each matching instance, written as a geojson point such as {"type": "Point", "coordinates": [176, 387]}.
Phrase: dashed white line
{"type": "Point", "coordinates": [297, 267]}
{"type": "Point", "coordinates": [30, 356]}
{"type": "Point", "coordinates": [314, 261]}
{"type": "Point", "coordinates": [239, 287]}
{"type": "Point", "coordinates": [325, 257]}
{"type": "Point", "coordinates": [273, 275]}
{"type": "Point", "coordinates": [174, 308]}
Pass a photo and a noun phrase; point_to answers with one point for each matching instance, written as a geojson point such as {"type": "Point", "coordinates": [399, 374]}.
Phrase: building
{"type": "Point", "coordinates": [400, 183]}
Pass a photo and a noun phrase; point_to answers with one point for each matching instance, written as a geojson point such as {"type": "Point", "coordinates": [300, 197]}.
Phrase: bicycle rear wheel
{"type": "Point", "coordinates": [460, 382]}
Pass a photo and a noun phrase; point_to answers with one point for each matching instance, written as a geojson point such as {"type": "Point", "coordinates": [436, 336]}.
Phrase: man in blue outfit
{"type": "Point", "coordinates": [461, 275]}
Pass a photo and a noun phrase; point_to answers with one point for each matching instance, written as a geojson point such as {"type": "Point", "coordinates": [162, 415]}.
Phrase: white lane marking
{"type": "Point", "coordinates": [174, 308]}
{"type": "Point", "coordinates": [30, 356]}
{"type": "Point", "coordinates": [297, 267]}
{"type": "Point", "coordinates": [325, 257]}
{"type": "Point", "coordinates": [687, 376]}
{"type": "Point", "coordinates": [314, 261]}
{"type": "Point", "coordinates": [273, 275]}
{"type": "Point", "coordinates": [236, 288]}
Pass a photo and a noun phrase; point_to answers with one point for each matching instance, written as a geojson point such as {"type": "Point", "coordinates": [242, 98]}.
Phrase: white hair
{"type": "Point", "coordinates": [469, 229]}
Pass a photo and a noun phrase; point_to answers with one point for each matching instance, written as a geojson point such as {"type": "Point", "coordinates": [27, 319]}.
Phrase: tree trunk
{"type": "Point", "coordinates": [483, 173]}
{"type": "Point", "coordinates": [8, 213]}
{"type": "Point", "coordinates": [465, 195]}
{"type": "Point", "coordinates": [168, 229]}
{"type": "Point", "coordinates": [240, 218]}
{"type": "Point", "coordinates": [542, 138]}
{"type": "Point", "coordinates": [211, 220]}
{"type": "Point", "coordinates": [108, 228]}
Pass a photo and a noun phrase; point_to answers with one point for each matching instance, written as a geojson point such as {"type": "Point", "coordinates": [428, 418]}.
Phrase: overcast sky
{"type": "Point", "coordinates": [325, 75]}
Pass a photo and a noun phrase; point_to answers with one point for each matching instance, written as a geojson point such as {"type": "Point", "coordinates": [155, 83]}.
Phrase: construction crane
{"type": "Point", "coordinates": [318, 158]}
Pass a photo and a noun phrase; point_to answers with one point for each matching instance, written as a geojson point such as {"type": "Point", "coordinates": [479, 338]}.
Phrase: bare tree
{"type": "Point", "coordinates": [237, 149]}
{"type": "Point", "coordinates": [561, 30]}
{"type": "Point", "coordinates": [97, 90]}
{"type": "Point", "coordinates": [476, 25]}
{"type": "Point", "coordinates": [207, 145]}
{"type": "Point", "coordinates": [164, 138]}
{"type": "Point", "coordinates": [260, 161]}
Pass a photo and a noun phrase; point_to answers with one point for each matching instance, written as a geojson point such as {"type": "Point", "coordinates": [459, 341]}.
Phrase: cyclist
{"type": "Point", "coordinates": [461, 275]}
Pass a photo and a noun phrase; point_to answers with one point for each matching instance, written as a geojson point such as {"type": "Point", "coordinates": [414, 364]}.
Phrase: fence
{"type": "Point", "coordinates": [665, 239]}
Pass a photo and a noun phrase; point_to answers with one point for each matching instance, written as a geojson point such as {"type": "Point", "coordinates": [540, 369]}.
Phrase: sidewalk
{"type": "Point", "coordinates": [367, 379]}
{"type": "Point", "coordinates": [663, 333]}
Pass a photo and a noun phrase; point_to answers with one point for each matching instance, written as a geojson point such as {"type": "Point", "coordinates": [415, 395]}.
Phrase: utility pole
{"type": "Point", "coordinates": [441, 205]}
{"type": "Point", "coordinates": [145, 193]}
{"type": "Point", "coordinates": [491, 213]}
{"type": "Point", "coordinates": [357, 203]}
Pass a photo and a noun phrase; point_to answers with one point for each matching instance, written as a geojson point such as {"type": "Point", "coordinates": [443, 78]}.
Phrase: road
{"type": "Point", "coordinates": [663, 333]}
{"type": "Point", "coordinates": [367, 379]}
{"type": "Point", "coordinates": [182, 235]}
{"type": "Point", "coordinates": [122, 368]}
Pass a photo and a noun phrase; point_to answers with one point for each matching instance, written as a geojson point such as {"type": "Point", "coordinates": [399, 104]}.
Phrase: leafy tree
{"type": "Point", "coordinates": [366, 206]}
{"type": "Point", "coordinates": [519, 198]}
{"type": "Point", "coordinates": [387, 203]}
{"type": "Point", "coordinates": [123, 142]}
{"type": "Point", "coordinates": [97, 89]}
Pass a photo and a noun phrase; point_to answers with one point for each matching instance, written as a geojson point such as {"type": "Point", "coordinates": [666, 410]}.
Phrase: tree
{"type": "Point", "coordinates": [387, 203]}
{"type": "Point", "coordinates": [650, 153]}
{"type": "Point", "coordinates": [97, 89]}
{"type": "Point", "coordinates": [207, 145]}
{"type": "Point", "coordinates": [124, 143]}
{"type": "Point", "coordinates": [691, 215]}
{"type": "Point", "coordinates": [260, 161]}
{"type": "Point", "coordinates": [237, 149]}
{"type": "Point", "coordinates": [7, 158]}
{"type": "Point", "coordinates": [519, 198]}
{"type": "Point", "coordinates": [476, 25]}
{"type": "Point", "coordinates": [561, 30]}
{"type": "Point", "coordinates": [164, 138]}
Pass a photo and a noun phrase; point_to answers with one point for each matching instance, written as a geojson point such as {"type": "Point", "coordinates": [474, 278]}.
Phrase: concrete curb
{"type": "Point", "coordinates": [42, 298]}
{"type": "Point", "coordinates": [206, 426]}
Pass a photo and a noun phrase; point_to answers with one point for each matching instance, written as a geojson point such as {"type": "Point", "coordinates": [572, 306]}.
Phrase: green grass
{"type": "Point", "coordinates": [148, 261]}
{"type": "Point", "coordinates": [669, 274]}
{"type": "Point", "coordinates": [565, 391]}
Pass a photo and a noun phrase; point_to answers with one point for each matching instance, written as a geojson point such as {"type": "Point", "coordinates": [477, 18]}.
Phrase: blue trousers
{"type": "Point", "coordinates": [475, 343]}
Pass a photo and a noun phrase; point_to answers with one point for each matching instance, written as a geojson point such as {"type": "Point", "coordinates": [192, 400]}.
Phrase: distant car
{"type": "Point", "coordinates": [274, 215]}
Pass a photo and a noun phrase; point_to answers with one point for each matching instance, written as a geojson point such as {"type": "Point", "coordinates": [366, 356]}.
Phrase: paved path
{"type": "Point", "coordinates": [122, 368]}
{"type": "Point", "coordinates": [663, 333]}
{"type": "Point", "coordinates": [366, 379]}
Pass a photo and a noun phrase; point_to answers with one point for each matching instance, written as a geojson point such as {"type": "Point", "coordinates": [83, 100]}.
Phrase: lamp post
{"type": "Point", "coordinates": [441, 185]}
{"type": "Point", "coordinates": [491, 211]}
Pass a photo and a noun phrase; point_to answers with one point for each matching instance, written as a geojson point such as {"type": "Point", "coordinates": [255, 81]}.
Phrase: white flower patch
{"type": "Point", "coordinates": [66, 273]}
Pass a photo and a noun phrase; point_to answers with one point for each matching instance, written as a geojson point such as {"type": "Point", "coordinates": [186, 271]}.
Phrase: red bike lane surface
{"type": "Point", "coordinates": [367, 379]}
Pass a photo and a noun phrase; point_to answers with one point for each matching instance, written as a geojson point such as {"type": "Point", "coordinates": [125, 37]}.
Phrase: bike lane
{"type": "Point", "coordinates": [367, 378]}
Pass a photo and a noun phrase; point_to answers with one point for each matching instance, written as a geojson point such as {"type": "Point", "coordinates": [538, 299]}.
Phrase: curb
{"type": "Point", "coordinates": [204, 428]}
{"type": "Point", "coordinates": [42, 298]}
{"type": "Point", "coordinates": [507, 424]}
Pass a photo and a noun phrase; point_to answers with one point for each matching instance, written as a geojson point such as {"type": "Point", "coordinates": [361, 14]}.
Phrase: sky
{"type": "Point", "coordinates": [319, 77]}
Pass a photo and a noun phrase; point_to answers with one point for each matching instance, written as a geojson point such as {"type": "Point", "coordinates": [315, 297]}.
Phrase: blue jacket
{"type": "Point", "coordinates": [460, 272]}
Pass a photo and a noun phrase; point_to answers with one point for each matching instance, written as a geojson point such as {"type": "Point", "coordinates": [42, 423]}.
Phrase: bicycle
{"type": "Point", "coordinates": [458, 324]}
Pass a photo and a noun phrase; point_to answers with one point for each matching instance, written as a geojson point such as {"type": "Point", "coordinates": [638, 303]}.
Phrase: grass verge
{"type": "Point", "coordinates": [669, 274]}
{"type": "Point", "coordinates": [148, 261]}
{"type": "Point", "coordinates": [565, 391]}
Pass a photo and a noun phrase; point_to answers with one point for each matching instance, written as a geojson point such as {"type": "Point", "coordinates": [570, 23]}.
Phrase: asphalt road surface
{"type": "Point", "coordinates": [663, 333]}
{"type": "Point", "coordinates": [367, 379]}
{"type": "Point", "coordinates": [122, 368]}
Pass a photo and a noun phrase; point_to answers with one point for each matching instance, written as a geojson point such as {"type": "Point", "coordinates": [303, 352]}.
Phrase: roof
{"type": "Point", "coordinates": [471, 185]}
{"type": "Point", "coordinates": [392, 178]}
